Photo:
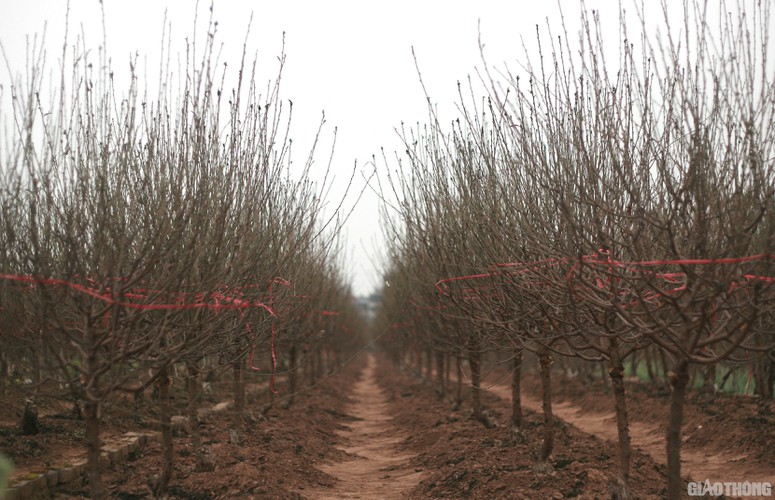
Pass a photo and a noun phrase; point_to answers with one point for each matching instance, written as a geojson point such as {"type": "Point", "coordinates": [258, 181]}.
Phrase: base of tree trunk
{"type": "Point", "coordinates": [30, 422]}
{"type": "Point", "coordinates": [542, 467]}
{"type": "Point", "coordinates": [619, 490]}
{"type": "Point", "coordinates": [679, 379]}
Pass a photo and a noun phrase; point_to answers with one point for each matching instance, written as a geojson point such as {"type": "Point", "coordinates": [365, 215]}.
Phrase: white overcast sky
{"type": "Point", "coordinates": [351, 59]}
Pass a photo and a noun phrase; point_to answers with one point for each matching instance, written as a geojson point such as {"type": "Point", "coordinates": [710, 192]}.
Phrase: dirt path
{"type": "Point", "coordinates": [376, 470]}
{"type": "Point", "coordinates": [697, 464]}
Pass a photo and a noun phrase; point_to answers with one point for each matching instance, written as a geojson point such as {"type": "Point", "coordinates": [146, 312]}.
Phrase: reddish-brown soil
{"type": "Point", "coordinates": [274, 457]}
{"type": "Point", "coordinates": [370, 431]}
{"type": "Point", "coordinates": [723, 440]}
{"type": "Point", "coordinates": [375, 467]}
{"type": "Point", "coordinates": [463, 459]}
{"type": "Point", "coordinates": [62, 436]}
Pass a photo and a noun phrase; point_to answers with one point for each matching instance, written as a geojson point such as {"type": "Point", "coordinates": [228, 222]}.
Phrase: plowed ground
{"type": "Point", "coordinates": [371, 431]}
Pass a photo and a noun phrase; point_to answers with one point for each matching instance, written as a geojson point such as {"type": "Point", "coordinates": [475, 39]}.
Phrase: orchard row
{"type": "Point", "coordinates": [601, 203]}
{"type": "Point", "coordinates": [140, 235]}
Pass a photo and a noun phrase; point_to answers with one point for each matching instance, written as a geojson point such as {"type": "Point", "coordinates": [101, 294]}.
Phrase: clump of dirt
{"type": "Point", "coordinates": [463, 459]}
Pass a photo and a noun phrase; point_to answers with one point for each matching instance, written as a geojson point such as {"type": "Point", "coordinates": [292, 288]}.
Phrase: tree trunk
{"type": "Point", "coordinates": [459, 392]}
{"type": "Point", "coordinates": [429, 365]}
{"type": "Point", "coordinates": [192, 388]}
{"type": "Point", "coordinates": [165, 414]}
{"type": "Point", "coordinates": [622, 423]}
{"type": "Point", "coordinates": [327, 363]}
{"type": "Point", "coordinates": [765, 380]}
{"type": "Point", "coordinates": [440, 372]}
{"type": "Point", "coordinates": [679, 378]}
{"type": "Point", "coordinates": [516, 391]}
{"type": "Point", "coordinates": [319, 367]}
{"type": "Point", "coordinates": [650, 367]}
{"type": "Point", "coordinates": [474, 361]}
{"type": "Point", "coordinates": [37, 376]}
{"type": "Point", "coordinates": [309, 368]}
{"type": "Point", "coordinates": [30, 424]}
{"type": "Point", "coordinates": [93, 448]}
{"type": "Point", "coordinates": [763, 375]}
{"type": "Point", "coordinates": [3, 374]}
{"type": "Point", "coordinates": [292, 376]}
{"type": "Point", "coordinates": [448, 371]}
{"type": "Point", "coordinates": [239, 395]}
{"type": "Point", "coordinates": [545, 366]}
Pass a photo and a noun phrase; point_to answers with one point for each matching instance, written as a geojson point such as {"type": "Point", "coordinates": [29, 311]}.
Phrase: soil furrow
{"type": "Point", "coordinates": [698, 464]}
{"type": "Point", "coordinates": [376, 468]}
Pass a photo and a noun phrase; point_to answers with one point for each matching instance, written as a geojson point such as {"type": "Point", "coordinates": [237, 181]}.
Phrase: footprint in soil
{"type": "Point", "coordinates": [377, 469]}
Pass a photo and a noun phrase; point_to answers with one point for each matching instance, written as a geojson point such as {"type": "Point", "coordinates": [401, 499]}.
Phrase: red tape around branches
{"type": "Point", "coordinates": [458, 278]}
{"type": "Point", "coordinates": [601, 259]}
{"type": "Point", "coordinates": [180, 302]}
{"type": "Point", "coordinates": [221, 301]}
{"type": "Point", "coordinates": [226, 298]}
{"type": "Point", "coordinates": [274, 281]}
